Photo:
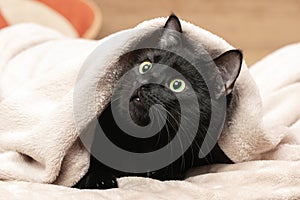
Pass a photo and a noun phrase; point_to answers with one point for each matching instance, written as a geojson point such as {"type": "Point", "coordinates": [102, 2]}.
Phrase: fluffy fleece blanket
{"type": "Point", "coordinates": [40, 149]}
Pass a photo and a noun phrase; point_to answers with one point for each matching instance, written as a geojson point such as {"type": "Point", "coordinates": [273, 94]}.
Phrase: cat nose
{"type": "Point", "coordinates": [145, 87]}
{"type": "Point", "coordinates": [143, 82]}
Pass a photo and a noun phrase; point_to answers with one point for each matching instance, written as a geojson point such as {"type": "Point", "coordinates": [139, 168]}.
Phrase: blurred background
{"type": "Point", "coordinates": [257, 27]}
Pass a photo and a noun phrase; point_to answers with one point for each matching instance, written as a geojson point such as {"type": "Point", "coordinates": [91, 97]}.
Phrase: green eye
{"type": "Point", "coordinates": [177, 85]}
{"type": "Point", "coordinates": [145, 66]}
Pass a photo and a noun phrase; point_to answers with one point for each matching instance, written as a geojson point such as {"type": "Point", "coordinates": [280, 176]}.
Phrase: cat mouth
{"type": "Point", "coordinates": [136, 98]}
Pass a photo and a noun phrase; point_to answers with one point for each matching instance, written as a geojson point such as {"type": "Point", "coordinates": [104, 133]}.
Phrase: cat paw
{"type": "Point", "coordinates": [97, 182]}
{"type": "Point", "coordinates": [106, 184]}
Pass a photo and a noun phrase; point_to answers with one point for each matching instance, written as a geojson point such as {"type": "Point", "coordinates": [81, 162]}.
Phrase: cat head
{"type": "Point", "coordinates": [229, 63]}
{"type": "Point", "coordinates": [161, 76]}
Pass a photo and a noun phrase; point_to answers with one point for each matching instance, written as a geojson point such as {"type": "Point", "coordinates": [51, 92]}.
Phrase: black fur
{"type": "Point", "coordinates": [100, 176]}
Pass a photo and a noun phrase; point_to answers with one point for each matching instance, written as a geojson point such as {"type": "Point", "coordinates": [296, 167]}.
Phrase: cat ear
{"type": "Point", "coordinates": [171, 33]}
{"type": "Point", "coordinates": [173, 23]}
{"type": "Point", "coordinates": [229, 64]}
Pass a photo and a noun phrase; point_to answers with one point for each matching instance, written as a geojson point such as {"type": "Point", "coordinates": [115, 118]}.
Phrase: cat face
{"type": "Point", "coordinates": [162, 77]}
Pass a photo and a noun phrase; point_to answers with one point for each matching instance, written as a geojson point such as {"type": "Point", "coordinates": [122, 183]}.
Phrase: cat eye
{"type": "Point", "coordinates": [177, 85]}
{"type": "Point", "coordinates": [145, 66]}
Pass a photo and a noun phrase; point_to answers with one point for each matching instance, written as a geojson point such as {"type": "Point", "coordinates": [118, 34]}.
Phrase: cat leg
{"type": "Point", "coordinates": [98, 176]}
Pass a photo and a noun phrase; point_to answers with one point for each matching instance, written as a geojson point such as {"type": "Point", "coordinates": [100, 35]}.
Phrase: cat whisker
{"type": "Point", "coordinates": [158, 121]}
{"type": "Point", "coordinates": [167, 121]}
{"type": "Point", "coordinates": [189, 136]}
{"type": "Point", "coordinates": [181, 146]}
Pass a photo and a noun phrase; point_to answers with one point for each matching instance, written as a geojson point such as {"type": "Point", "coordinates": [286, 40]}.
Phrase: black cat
{"type": "Point", "coordinates": [156, 84]}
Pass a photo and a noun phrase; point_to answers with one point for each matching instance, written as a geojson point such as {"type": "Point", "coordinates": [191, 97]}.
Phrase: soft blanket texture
{"type": "Point", "coordinates": [39, 130]}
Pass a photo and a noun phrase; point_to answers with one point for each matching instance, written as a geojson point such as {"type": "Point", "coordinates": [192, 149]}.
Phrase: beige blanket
{"type": "Point", "coordinates": [39, 129]}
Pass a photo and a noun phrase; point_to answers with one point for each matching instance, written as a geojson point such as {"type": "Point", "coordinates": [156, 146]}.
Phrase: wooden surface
{"type": "Point", "coordinates": [258, 27]}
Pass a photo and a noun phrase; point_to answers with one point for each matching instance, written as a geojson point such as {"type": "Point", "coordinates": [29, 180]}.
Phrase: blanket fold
{"type": "Point", "coordinates": [40, 123]}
